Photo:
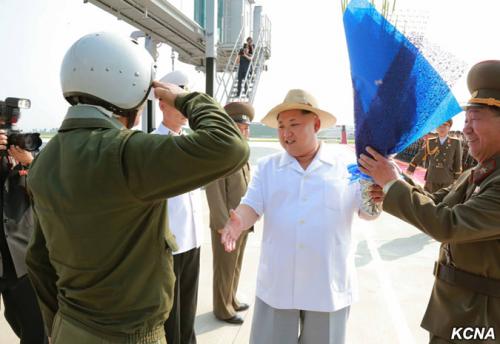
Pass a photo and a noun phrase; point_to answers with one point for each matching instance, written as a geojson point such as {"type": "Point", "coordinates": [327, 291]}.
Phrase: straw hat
{"type": "Point", "coordinates": [298, 100]}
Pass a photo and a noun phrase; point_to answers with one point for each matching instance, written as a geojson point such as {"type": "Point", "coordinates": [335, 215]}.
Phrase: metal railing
{"type": "Point", "coordinates": [257, 65]}
{"type": "Point", "coordinates": [225, 80]}
{"type": "Point", "coordinates": [228, 83]}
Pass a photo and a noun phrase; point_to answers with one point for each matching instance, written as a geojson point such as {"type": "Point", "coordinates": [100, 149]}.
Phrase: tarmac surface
{"type": "Point", "coordinates": [394, 264]}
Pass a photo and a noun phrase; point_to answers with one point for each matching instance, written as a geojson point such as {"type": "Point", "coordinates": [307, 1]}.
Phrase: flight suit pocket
{"type": "Point", "coordinates": [65, 331]}
{"type": "Point", "coordinates": [170, 242]}
{"type": "Point", "coordinates": [56, 327]}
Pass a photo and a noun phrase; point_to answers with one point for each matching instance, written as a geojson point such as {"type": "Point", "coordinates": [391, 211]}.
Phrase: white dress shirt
{"type": "Point", "coordinates": [307, 259]}
{"type": "Point", "coordinates": [184, 211]}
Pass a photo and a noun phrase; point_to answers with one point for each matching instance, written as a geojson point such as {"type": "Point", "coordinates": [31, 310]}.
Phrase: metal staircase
{"type": "Point", "coordinates": [227, 81]}
{"type": "Point", "coordinates": [164, 23]}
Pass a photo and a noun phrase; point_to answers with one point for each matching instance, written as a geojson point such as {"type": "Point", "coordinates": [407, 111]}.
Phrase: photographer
{"type": "Point", "coordinates": [243, 60]}
{"type": "Point", "coordinates": [21, 307]}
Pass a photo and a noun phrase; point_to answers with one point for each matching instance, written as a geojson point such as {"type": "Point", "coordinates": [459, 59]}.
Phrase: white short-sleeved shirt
{"type": "Point", "coordinates": [307, 259]}
{"type": "Point", "coordinates": [185, 216]}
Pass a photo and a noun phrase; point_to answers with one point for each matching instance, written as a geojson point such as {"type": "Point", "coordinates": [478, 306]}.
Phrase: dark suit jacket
{"type": "Point", "coordinates": [18, 220]}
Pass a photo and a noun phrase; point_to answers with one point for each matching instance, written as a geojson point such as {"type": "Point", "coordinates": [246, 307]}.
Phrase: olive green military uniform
{"type": "Point", "coordinates": [100, 256]}
{"type": "Point", "coordinates": [465, 218]}
{"type": "Point", "coordinates": [444, 162]}
{"type": "Point", "coordinates": [223, 195]}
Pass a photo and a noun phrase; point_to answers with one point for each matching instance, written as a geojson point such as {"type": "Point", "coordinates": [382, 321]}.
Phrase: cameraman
{"type": "Point", "coordinates": [21, 307]}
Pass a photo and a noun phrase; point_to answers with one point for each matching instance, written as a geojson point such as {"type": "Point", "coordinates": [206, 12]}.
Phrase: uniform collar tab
{"type": "Point", "coordinates": [87, 116]}
{"type": "Point", "coordinates": [484, 169]}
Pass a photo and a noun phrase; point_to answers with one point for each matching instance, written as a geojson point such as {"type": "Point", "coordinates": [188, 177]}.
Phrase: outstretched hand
{"type": "Point", "coordinates": [231, 231]}
{"type": "Point", "coordinates": [380, 168]}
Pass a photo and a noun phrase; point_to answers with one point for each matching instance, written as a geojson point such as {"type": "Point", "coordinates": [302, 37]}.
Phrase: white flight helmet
{"type": "Point", "coordinates": [178, 78]}
{"type": "Point", "coordinates": [109, 70]}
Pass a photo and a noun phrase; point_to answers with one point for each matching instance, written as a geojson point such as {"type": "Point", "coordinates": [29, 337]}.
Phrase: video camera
{"type": "Point", "coordinates": [9, 115]}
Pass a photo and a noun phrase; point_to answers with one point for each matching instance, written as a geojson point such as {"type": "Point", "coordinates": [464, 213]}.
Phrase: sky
{"type": "Point", "coordinates": [308, 49]}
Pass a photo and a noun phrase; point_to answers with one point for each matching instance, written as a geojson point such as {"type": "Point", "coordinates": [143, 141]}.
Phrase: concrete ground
{"type": "Point", "coordinates": [394, 263]}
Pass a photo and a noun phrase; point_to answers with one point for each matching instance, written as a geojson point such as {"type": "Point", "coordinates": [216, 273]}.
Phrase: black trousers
{"type": "Point", "coordinates": [179, 327]}
{"type": "Point", "coordinates": [240, 80]}
{"type": "Point", "coordinates": [22, 311]}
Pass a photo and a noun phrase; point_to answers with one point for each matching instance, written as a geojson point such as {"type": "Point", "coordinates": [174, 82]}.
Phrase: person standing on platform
{"type": "Point", "coordinates": [244, 59]}
{"type": "Point", "coordinates": [444, 159]}
{"type": "Point", "coordinates": [222, 196]}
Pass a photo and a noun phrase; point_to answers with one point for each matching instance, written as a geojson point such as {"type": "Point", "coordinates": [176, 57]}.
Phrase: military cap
{"type": "Point", "coordinates": [240, 112]}
{"type": "Point", "coordinates": [483, 82]}
{"type": "Point", "coordinates": [448, 122]}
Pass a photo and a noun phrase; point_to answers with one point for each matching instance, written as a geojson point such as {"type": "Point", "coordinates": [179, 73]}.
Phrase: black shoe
{"type": "Point", "coordinates": [242, 307]}
{"type": "Point", "coordinates": [235, 319]}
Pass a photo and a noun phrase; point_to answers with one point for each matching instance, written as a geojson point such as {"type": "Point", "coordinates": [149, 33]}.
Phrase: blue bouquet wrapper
{"type": "Point", "coordinates": [398, 95]}
{"type": "Point", "coordinates": [356, 174]}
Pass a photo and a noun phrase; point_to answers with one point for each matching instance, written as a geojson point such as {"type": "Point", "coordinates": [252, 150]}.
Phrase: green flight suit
{"type": "Point", "coordinates": [100, 257]}
{"type": "Point", "coordinates": [465, 218]}
{"type": "Point", "coordinates": [443, 162]}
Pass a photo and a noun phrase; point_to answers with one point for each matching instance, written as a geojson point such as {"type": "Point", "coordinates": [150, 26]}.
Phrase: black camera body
{"type": "Point", "coordinates": [10, 111]}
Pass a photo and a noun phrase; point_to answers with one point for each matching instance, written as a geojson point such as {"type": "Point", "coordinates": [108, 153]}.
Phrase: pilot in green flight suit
{"type": "Point", "coordinates": [100, 256]}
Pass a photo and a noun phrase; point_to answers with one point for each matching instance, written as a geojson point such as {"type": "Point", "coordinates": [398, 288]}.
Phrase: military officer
{"type": "Point", "coordinates": [222, 196]}
{"type": "Point", "coordinates": [100, 257]}
{"type": "Point", "coordinates": [464, 217]}
{"type": "Point", "coordinates": [443, 156]}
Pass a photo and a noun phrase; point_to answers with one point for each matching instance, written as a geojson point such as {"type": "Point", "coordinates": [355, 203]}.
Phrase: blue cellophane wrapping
{"type": "Point", "coordinates": [398, 95]}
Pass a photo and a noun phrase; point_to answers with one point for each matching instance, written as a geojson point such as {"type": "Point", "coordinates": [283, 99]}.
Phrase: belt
{"type": "Point", "coordinates": [479, 284]}
{"type": "Point", "coordinates": [151, 336]}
